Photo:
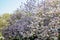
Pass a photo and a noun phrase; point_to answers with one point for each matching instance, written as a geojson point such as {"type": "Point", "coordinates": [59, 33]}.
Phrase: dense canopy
{"type": "Point", "coordinates": [39, 21]}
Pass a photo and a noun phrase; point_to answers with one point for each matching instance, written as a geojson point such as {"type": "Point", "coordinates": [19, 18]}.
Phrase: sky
{"type": "Point", "coordinates": [8, 6]}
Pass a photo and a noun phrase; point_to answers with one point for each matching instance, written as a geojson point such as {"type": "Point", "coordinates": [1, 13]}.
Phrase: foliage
{"type": "Point", "coordinates": [18, 14]}
{"type": "Point", "coordinates": [4, 20]}
{"type": "Point", "coordinates": [30, 5]}
{"type": "Point", "coordinates": [18, 28]}
{"type": "Point", "coordinates": [3, 23]}
{"type": "Point", "coordinates": [1, 37]}
{"type": "Point", "coordinates": [32, 25]}
{"type": "Point", "coordinates": [42, 25]}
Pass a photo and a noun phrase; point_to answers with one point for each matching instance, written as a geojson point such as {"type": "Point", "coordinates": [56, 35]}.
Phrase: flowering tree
{"type": "Point", "coordinates": [40, 26]}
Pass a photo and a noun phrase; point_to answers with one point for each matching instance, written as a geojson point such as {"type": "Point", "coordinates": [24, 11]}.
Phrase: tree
{"type": "Point", "coordinates": [43, 24]}
{"type": "Point", "coordinates": [4, 20]}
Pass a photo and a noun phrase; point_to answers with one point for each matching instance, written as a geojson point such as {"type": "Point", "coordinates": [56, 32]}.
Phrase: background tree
{"type": "Point", "coordinates": [4, 20]}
